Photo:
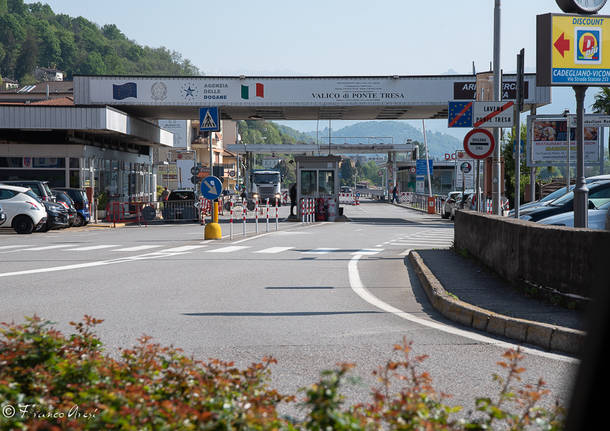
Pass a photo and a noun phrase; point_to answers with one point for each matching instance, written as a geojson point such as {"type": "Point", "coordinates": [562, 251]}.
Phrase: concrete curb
{"type": "Point", "coordinates": [549, 337]}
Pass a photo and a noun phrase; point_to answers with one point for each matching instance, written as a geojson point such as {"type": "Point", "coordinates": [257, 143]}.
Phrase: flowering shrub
{"type": "Point", "coordinates": [51, 382]}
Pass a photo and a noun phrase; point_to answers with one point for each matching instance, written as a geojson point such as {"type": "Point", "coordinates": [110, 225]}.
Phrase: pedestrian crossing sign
{"type": "Point", "coordinates": [209, 119]}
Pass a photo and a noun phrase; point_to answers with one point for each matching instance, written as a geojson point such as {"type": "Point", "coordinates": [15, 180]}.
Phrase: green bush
{"type": "Point", "coordinates": [50, 382]}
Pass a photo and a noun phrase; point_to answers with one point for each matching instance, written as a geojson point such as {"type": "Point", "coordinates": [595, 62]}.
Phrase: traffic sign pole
{"type": "Point", "coordinates": [581, 192]}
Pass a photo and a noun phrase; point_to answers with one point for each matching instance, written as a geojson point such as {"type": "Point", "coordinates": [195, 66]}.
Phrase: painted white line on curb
{"type": "Point", "coordinates": [358, 287]}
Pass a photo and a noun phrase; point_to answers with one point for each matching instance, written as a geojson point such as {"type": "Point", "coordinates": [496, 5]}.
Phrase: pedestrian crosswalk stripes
{"type": "Point", "coordinates": [138, 248]}
{"type": "Point", "coordinates": [48, 247]}
{"type": "Point", "coordinates": [429, 238]}
{"type": "Point", "coordinates": [274, 250]}
{"type": "Point", "coordinates": [91, 247]}
{"type": "Point", "coordinates": [229, 249]}
{"type": "Point", "coordinates": [183, 248]}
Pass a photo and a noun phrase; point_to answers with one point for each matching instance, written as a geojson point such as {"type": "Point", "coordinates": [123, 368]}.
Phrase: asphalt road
{"type": "Point", "coordinates": [309, 295]}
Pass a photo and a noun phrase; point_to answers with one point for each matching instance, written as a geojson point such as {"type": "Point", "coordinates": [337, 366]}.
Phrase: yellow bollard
{"type": "Point", "coordinates": [212, 230]}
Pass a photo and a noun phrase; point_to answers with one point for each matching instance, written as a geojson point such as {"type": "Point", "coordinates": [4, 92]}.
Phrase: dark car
{"type": "Point", "coordinates": [62, 198]}
{"type": "Point", "coordinates": [81, 203]}
{"type": "Point", "coordinates": [57, 216]}
{"type": "Point", "coordinates": [40, 188]}
{"type": "Point", "coordinates": [599, 193]}
{"type": "Point", "coordinates": [180, 205]}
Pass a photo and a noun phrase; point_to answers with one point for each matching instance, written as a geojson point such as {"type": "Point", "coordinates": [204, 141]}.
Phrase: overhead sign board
{"type": "Point", "coordinates": [573, 50]}
{"type": "Point", "coordinates": [480, 114]}
{"type": "Point", "coordinates": [294, 91]}
{"type": "Point", "coordinates": [479, 143]}
{"type": "Point", "coordinates": [591, 120]}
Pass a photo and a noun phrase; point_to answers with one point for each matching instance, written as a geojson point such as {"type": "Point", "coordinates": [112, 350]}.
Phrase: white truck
{"type": "Point", "coordinates": [266, 184]}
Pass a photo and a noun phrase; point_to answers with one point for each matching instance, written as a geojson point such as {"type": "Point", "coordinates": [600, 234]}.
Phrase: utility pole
{"type": "Point", "coordinates": [497, 84]}
{"type": "Point", "coordinates": [517, 136]}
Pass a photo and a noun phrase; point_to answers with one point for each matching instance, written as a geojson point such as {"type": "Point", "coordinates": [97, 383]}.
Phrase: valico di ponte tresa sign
{"type": "Point", "coordinates": [573, 50]}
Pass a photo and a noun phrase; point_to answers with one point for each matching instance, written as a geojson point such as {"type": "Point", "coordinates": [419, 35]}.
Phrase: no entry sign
{"type": "Point", "coordinates": [479, 143]}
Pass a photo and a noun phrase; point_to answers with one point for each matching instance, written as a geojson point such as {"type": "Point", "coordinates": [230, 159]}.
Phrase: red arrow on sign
{"type": "Point", "coordinates": [493, 114]}
{"type": "Point", "coordinates": [562, 44]}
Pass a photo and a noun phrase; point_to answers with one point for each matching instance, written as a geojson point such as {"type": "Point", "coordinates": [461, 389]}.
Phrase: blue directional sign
{"type": "Point", "coordinates": [209, 119]}
{"type": "Point", "coordinates": [211, 188]}
{"type": "Point", "coordinates": [421, 169]}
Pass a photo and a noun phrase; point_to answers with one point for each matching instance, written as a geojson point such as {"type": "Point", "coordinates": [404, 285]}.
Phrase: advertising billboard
{"type": "Point", "coordinates": [548, 142]}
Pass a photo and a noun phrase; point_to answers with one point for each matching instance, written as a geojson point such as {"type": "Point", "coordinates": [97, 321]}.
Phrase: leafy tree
{"type": "Point", "coordinates": [602, 105]}
{"type": "Point", "coordinates": [33, 35]}
{"type": "Point", "coordinates": [509, 167]}
{"type": "Point", "coordinates": [347, 173]}
{"type": "Point", "coordinates": [28, 56]}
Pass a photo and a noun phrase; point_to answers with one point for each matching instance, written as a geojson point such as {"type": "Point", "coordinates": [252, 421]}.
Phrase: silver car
{"type": "Point", "coordinates": [598, 218]}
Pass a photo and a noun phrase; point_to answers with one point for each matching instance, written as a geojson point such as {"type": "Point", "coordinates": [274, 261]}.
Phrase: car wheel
{"type": "Point", "coordinates": [79, 220]}
{"type": "Point", "coordinates": [23, 225]}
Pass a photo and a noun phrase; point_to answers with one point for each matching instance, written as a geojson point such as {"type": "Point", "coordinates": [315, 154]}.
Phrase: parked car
{"type": "Point", "coordinates": [596, 216]}
{"type": "Point", "coordinates": [25, 212]}
{"type": "Point", "coordinates": [449, 203]}
{"type": "Point", "coordinates": [40, 188]}
{"type": "Point", "coordinates": [62, 198]}
{"type": "Point", "coordinates": [556, 194]}
{"type": "Point", "coordinates": [81, 203]}
{"type": "Point", "coordinates": [2, 216]}
{"type": "Point", "coordinates": [180, 205]}
{"type": "Point", "coordinates": [599, 194]}
{"type": "Point", "coordinates": [542, 202]}
{"type": "Point", "coordinates": [57, 216]}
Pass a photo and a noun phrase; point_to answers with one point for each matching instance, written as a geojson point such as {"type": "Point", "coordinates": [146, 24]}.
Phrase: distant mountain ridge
{"type": "Point", "coordinates": [438, 143]}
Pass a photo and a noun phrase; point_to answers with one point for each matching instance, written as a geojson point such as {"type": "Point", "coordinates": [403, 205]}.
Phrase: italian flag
{"type": "Point", "coordinates": [260, 91]}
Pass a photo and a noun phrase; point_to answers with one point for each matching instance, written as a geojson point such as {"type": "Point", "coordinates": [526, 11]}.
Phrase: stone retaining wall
{"type": "Point", "coordinates": [572, 261]}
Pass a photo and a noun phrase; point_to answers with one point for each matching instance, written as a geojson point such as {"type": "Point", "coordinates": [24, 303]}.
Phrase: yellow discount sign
{"type": "Point", "coordinates": [573, 50]}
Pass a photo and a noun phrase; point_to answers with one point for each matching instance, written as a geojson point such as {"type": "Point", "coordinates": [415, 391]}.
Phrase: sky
{"type": "Point", "coordinates": [332, 37]}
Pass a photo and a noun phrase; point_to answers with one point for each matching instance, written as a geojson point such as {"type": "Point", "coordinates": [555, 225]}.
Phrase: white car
{"type": "Point", "coordinates": [24, 211]}
{"type": "Point", "coordinates": [597, 218]}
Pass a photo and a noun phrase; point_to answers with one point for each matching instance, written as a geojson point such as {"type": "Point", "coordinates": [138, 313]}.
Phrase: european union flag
{"type": "Point", "coordinates": [460, 114]}
{"type": "Point", "coordinates": [120, 92]}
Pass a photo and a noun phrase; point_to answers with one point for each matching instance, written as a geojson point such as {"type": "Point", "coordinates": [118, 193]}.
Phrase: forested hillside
{"type": "Point", "coordinates": [33, 35]}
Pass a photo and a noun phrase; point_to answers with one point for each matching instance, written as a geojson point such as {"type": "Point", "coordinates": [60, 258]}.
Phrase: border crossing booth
{"type": "Point", "coordinates": [318, 186]}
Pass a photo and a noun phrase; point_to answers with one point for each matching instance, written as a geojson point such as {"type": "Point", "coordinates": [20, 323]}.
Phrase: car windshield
{"type": "Point", "coordinates": [181, 196]}
{"type": "Point", "coordinates": [64, 197]}
{"type": "Point", "coordinates": [556, 194]}
{"type": "Point", "coordinates": [33, 195]}
{"type": "Point", "coordinates": [268, 178]}
{"type": "Point", "coordinates": [562, 200]}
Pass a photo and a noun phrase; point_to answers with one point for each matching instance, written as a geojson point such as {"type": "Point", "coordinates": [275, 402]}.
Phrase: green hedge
{"type": "Point", "coordinates": [49, 381]}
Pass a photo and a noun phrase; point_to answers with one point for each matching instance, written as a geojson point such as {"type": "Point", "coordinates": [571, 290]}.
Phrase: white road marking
{"type": "Point", "coordinates": [273, 250]}
{"type": "Point", "coordinates": [138, 248]}
{"type": "Point", "coordinates": [358, 287]}
{"type": "Point", "coordinates": [368, 251]}
{"type": "Point", "coordinates": [4, 247]}
{"type": "Point", "coordinates": [320, 250]}
{"type": "Point", "coordinates": [92, 247]}
{"type": "Point", "coordinates": [182, 248]}
{"type": "Point", "coordinates": [47, 247]}
{"type": "Point", "coordinates": [89, 264]}
{"type": "Point", "coordinates": [227, 249]}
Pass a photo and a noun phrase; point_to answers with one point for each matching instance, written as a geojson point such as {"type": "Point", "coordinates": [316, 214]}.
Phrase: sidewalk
{"type": "Point", "coordinates": [466, 292]}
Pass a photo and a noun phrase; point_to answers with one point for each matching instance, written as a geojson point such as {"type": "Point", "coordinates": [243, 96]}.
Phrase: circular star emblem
{"type": "Point", "coordinates": [189, 91]}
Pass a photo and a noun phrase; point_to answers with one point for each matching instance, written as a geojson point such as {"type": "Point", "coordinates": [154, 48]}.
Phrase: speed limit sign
{"type": "Point", "coordinates": [479, 143]}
